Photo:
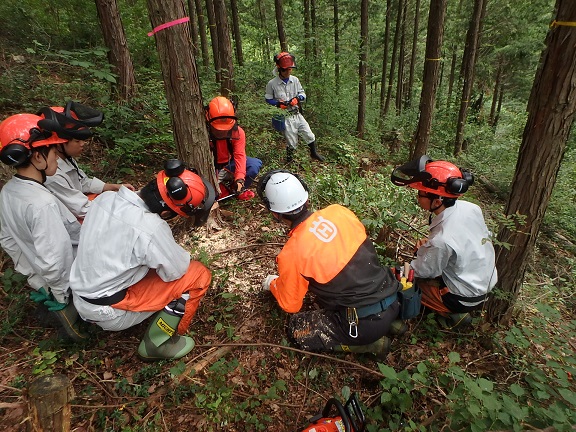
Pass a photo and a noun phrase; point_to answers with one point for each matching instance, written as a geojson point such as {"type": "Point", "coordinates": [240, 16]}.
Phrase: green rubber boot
{"type": "Point", "coordinates": [398, 328]}
{"type": "Point", "coordinates": [161, 340]}
{"type": "Point", "coordinates": [455, 321]}
{"type": "Point", "coordinates": [379, 348]}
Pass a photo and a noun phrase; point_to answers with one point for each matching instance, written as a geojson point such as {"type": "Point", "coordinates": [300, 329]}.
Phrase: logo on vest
{"type": "Point", "coordinates": [324, 230]}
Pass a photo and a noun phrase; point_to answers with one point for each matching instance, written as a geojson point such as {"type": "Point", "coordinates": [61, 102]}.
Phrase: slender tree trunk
{"type": "Point", "coordinates": [360, 126]}
{"type": "Point", "coordinates": [279, 9]}
{"type": "Point", "coordinates": [202, 33]}
{"type": "Point", "coordinates": [314, 23]}
{"type": "Point", "coordinates": [394, 54]}
{"type": "Point", "coordinates": [237, 36]}
{"type": "Point", "coordinates": [307, 36]}
{"type": "Point", "coordinates": [451, 78]}
{"type": "Point", "coordinates": [266, 50]}
{"type": "Point", "coordinates": [224, 48]}
{"type": "Point", "coordinates": [183, 92]}
{"type": "Point", "coordinates": [434, 39]}
{"type": "Point", "coordinates": [214, 38]}
{"type": "Point", "coordinates": [499, 108]}
{"type": "Point", "coordinates": [336, 48]}
{"type": "Point", "coordinates": [193, 28]}
{"type": "Point", "coordinates": [439, 86]}
{"type": "Point", "coordinates": [410, 88]}
{"type": "Point", "coordinates": [495, 96]}
{"type": "Point", "coordinates": [401, 61]}
{"type": "Point", "coordinates": [469, 63]}
{"type": "Point", "coordinates": [118, 52]}
{"type": "Point", "coordinates": [383, 86]}
{"type": "Point", "coordinates": [551, 110]}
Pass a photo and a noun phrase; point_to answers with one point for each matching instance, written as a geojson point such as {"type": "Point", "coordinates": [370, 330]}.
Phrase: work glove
{"type": "Point", "coordinates": [40, 296]}
{"type": "Point", "coordinates": [266, 283]}
{"type": "Point", "coordinates": [294, 101]}
{"type": "Point", "coordinates": [54, 305]}
{"type": "Point", "coordinates": [239, 185]}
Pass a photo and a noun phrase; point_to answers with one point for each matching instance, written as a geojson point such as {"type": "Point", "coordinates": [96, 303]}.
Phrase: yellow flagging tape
{"type": "Point", "coordinates": [562, 23]}
{"type": "Point", "coordinates": [429, 59]}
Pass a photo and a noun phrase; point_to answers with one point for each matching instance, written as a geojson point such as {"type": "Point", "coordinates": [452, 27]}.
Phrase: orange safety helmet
{"type": "Point", "coordinates": [221, 114]}
{"type": "Point", "coordinates": [19, 134]}
{"type": "Point", "coordinates": [440, 178]}
{"type": "Point", "coordinates": [285, 60]}
{"type": "Point", "coordinates": [71, 121]}
{"type": "Point", "coordinates": [185, 192]}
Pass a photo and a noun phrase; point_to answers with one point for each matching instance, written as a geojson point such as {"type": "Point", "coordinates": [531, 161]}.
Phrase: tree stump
{"type": "Point", "coordinates": [49, 403]}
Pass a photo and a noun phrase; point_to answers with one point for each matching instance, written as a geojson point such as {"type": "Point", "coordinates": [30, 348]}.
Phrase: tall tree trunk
{"type": "Point", "coordinates": [314, 23]}
{"type": "Point", "coordinates": [193, 28]}
{"type": "Point", "coordinates": [410, 88]}
{"type": "Point", "coordinates": [360, 126]}
{"type": "Point", "coordinates": [394, 54]}
{"type": "Point", "coordinates": [434, 38]}
{"type": "Point", "coordinates": [495, 96]}
{"type": "Point", "coordinates": [202, 33]}
{"type": "Point", "coordinates": [452, 76]}
{"type": "Point", "coordinates": [224, 48]}
{"type": "Point", "coordinates": [469, 63]}
{"type": "Point", "coordinates": [214, 38]}
{"type": "Point", "coordinates": [265, 46]}
{"type": "Point", "coordinates": [499, 108]}
{"type": "Point", "coordinates": [401, 61]}
{"type": "Point", "coordinates": [336, 48]}
{"type": "Point", "coordinates": [383, 86]}
{"type": "Point", "coordinates": [237, 36]}
{"type": "Point", "coordinates": [183, 92]}
{"type": "Point", "coordinates": [307, 35]}
{"type": "Point", "coordinates": [551, 110]}
{"type": "Point", "coordinates": [279, 9]}
{"type": "Point", "coordinates": [118, 52]}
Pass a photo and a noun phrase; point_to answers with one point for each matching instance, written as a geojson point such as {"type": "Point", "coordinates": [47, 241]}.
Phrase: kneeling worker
{"type": "Point", "coordinates": [129, 266]}
{"type": "Point", "coordinates": [328, 253]}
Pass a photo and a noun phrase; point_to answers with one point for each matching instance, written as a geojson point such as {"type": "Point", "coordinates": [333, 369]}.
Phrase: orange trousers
{"type": "Point", "coordinates": [432, 294]}
{"type": "Point", "coordinates": [152, 293]}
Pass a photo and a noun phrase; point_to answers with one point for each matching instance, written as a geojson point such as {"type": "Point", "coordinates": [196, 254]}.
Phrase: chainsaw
{"type": "Point", "coordinates": [348, 418]}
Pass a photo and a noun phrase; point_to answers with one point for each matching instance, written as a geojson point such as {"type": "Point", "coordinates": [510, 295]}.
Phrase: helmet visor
{"type": "Point", "coordinates": [411, 172]}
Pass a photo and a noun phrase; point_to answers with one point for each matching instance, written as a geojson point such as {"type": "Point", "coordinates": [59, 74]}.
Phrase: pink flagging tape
{"type": "Point", "coordinates": [168, 24]}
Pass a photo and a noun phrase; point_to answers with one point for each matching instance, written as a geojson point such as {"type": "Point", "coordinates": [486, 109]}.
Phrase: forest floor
{"type": "Point", "coordinates": [242, 374]}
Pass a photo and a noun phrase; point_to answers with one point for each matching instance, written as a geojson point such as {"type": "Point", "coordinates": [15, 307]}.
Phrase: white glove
{"type": "Point", "coordinates": [266, 282]}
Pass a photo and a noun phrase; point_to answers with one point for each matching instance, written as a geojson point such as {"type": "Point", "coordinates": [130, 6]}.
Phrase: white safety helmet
{"type": "Point", "coordinates": [282, 192]}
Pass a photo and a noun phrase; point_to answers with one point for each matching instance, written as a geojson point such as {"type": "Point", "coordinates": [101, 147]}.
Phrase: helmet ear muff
{"type": "Point", "coordinates": [176, 188]}
{"type": "Point", "coordinates": [15, 154]}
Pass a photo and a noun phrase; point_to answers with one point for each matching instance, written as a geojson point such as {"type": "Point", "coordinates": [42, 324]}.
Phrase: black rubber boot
{"type": "Point", "coordinates": [290, 154]}
{"type": "Point", "coordinates": [314, 153]}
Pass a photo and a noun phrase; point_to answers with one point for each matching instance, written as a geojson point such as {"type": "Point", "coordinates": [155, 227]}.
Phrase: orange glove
{"type": "Point", "coordinates": [294, 101]}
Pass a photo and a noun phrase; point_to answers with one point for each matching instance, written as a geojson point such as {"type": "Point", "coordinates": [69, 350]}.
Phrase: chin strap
{"type": "Point", "coordinates": [432, 210]}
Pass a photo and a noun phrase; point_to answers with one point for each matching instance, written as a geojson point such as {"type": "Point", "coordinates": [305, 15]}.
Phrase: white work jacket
{"type": "Point", "coordinates": [120, 241]}
{"type": "Point", "coordinates": [71, 186]}
{"type": "Point", "coordinates": [284, 91]}
{"type": "Point", "coordinates": [34, 233]}
{"type": "Point", "coordinates": [459, 249]}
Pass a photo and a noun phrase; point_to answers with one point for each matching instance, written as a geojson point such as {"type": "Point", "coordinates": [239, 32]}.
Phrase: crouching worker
{"type": "Point", "coordinates": [129, 266]}
{"type": "Point", "coordinates": [455, 265]}
{"type": "Point", "coordinates": [328, 253]}
{"type": "Point", "coordinates": [37, 230]}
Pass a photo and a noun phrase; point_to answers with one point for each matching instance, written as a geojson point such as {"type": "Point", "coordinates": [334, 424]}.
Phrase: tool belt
{"type": "Point", "coordinates": [354, 314]}
{"type": "Point", "coordinates": [107, 301]}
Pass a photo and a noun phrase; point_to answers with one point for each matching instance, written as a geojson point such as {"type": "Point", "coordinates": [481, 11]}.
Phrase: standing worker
{"type": "Point", "coordinates": [37, 230]}
{"type": "Point", "coordinates": [235, 171]}
{"type": "Point", "coordinates": [329, 253]}
{"type": "Point", "coordinates": [70, 184]}
{"type": "Point", "coordinates": [129, 266]}
{"type": "Point", "coordinates": [455, 265]}
{"type": "Point", "coordinates": [285, 92]}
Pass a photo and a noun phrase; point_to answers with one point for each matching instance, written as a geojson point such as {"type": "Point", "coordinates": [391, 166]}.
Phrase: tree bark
{"type": "Point", "coordinates": [118, 52]}
{"type": "Point", "coordinates": [434, 38]}
{"type": "Point", "coordinates": [237, 35]}
{"type": "Point", "coordinates": [468, 63]}
{"type": "Point", "coordinates": [499, 108]}
{"type": "Point", "coordinates": [193, 28]}
{"type": "Point", "coordinates": [393, 59]}
{"type": "Point", "coordinates": [266, 54]}
{"type": "Point", "coordinates": [495, 96]}
{"type": "Point", "coordinates": [336, 48]}
{"type": "Point", "coordinates": [214, 38]}
{"type": "Point", "coordinates": [410, 88]}
{"type": "Point", "coordinates": [183, 92]}
{"type": "Point", "coordinates": [202, 33]}
{"type": "Point", "coordinates": [451, 78]}
{"type": "Point", "coordinates": [401, 60]}
{"type": "Point", "coordinates": [224, 48]}
{"type": "Point", "coordinates": [551, 110]}
{"type": "Point", "coordinates": [360, 125]}
{"type": "Point", "coordinates": [307, 36]}
{"type": "Point", "coordinates": [384, 87]}
{"type": "Point", "coordinates": [279, 9]}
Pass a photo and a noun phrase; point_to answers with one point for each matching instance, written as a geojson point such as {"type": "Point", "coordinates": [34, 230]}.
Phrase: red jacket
{"type": "Point", "coordinates": [330, 254]}
{"type": "Point", "coordinates": [226, 149]}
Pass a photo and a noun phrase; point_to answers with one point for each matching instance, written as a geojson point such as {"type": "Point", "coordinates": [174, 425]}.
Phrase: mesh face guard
{"type": "Point", "coordinates": [411, 172]}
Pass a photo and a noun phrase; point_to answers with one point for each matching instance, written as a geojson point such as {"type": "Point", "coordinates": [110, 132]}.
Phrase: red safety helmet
{"type": "Point", "coordinates": [285, 60]}
{"type": "Point", "coordinates": [19, 134]}
{"type": "Point", "coordinates": [185, 192]}
{"type": "Point", "coordinates": [440, 178]}
{"type": "Point", "coordinates": [221, 114]}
